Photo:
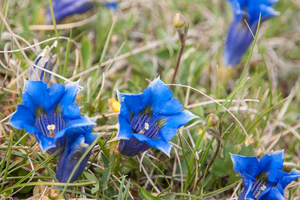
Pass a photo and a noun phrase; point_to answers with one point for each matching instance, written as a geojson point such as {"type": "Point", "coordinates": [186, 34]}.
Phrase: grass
{"type": "Point", "coordinates": [108, 52]}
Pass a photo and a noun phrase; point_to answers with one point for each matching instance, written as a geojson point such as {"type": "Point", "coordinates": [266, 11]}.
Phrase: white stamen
{"type": "Point", "coordinates": [146, 126]}
{"type": "Point", "coordinates": [263, 187]}
{"type": "Point", "coordinates": [51, 127]}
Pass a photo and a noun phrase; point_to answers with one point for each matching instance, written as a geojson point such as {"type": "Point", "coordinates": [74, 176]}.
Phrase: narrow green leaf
{"type": "Point", "coordinates": [146, 195]}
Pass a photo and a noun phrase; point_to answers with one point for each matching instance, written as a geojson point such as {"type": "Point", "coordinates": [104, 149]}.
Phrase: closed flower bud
{"type": "Point", "coordinates": [178, 20]}
{"type": "Point", "coordinates": [212, 120]}
{"type": "Point", "coordinates": [44, 60]}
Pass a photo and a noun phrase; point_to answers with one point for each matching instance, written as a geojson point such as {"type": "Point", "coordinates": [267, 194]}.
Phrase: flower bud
{"type": "Point", "coordinates": [178, 21]}
{"type": "Point", "coordinates": [212, 120]}
{"type": "Point", "coordinates": [44, 60]}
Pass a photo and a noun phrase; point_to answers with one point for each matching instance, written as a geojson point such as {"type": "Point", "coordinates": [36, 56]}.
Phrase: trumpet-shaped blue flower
{"type": "Point", "coordinates": [264, 179]}
{"type": "Point", "coordinates": [44, 60]}
{"type": "Point", "coordinates": [49, 113]}
{"type": "Point", "coordinates": [150, 119]}
{"type": "Point", "coordinates": [77, 143]}
{"type": "Point", "coordinates": [239, 36]}
{"type": "Point", "coordinates": [64, 8]}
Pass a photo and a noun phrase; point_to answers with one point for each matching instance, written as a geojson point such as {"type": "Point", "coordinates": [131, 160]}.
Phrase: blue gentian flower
{"type": "Point", "coordinates": [149, 119]}
{"type": "Point", "coordinates": [64, 8]}
{"type": "Point", "coordinates": [49, 113]}
{"type": "Point", "coordinates": [44, 60]}
{"type": "Point", "coordinates": [239, 36]}
{"type": "Point", "coordinates": [77, 144]}
{"type": "Point", "coordinates": [263, 179]}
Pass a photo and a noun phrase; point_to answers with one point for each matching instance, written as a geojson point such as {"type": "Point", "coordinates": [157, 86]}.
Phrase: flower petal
{"type": "Point", "coordinates": [124, 131]}
{"type": "Point", "coordinates": [45, 143]}
{"type": "Point", "coordinates": [69, 96]}
{"type": "Point", "coordinates": [70, 112]}
{"type": "Point", "coordinates": [37, 91]}
{"type": "Point", "coordinates": [160, 95]}
{"type": "Point", "coordinates": [245, 165]}
{"type": "Point", "coordinates": [133, 102]}
{"type": "Point", "coordinates": [265, 11]}
{"type": "Point", "coordinates": [287, 179]}
{"type": "Point", "coordinates": [64, 8]}
{"type": "Point", "coordinates": [169, 130]}
{"type": "Point", "coordinates": [132, 147]}
{"type": "Point", "coordinates": [55, 93]}
{"type": "Point", "coordinates": [271, 194]}
{"type": "Point", "coordinates": [156, 143]}
{"type": "Point", "coordinates": [238, 40]}
{"type": "Point", "coordinates": [21, 118]}
{"type": "Point", "coordinates": [172, 107]}
{"type": "Point", "coordinates": [90, 137]}
{"type": "Point", "coordinates": [74, 126]}
{"type": "Point", "coordinates": [68, 159]}
{"type": "Point", "coordinates": [248, 183]}
{"type": "Point", "coordinates": [274, 164]}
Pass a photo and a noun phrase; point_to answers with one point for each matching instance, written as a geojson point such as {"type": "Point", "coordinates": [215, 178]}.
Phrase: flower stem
{"type": "Point", "coordinates": [215, 156]}
{"type": "Point", "coordinates": [182, 37]}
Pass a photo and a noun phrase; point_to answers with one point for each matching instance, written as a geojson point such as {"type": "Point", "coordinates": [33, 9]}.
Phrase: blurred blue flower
{"type": "Point", "coordinates": [49, 113]}
{"type": "Point", "coordinates": [44, 60]}
{"type": "Point", "coordinates": [77, 143]}
{"type": "Point", "coordinates": [149, 119]}
{"type": "Point", "coordinates": [263, 178]}
{"type": "Point", "coordinates": [239, 36]}
{"type": "Point", "coordinates": [64, 8]}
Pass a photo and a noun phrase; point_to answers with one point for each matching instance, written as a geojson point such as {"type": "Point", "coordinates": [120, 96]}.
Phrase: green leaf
{"type": "Point", "coordinates": [169, 196]}
{"type": "Point", "coordinates": [105, 178]}
{"type": "Point", "coordinates": [106, 175]}
{"type": "Point", "coordinates": [146, 195]}
{"type": "Point", "coordinates": [86, 50]}
{"type": "Point", "coordinates": [105, 160]}
{"type": "Point", "coordinates": [91, 177]}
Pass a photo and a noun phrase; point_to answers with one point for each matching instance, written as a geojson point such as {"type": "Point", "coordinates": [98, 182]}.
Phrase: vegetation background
{"type": "Point", "coordinates": [124, 51]}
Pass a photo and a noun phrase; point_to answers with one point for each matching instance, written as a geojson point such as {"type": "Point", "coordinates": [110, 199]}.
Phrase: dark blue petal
{"type": "Point", "coordinates": [90, 137]}
{"type": "Point", "coordinates": [238, 40]}
{"type": "Point", "coordinates": [271, 194]}
{"type": "Point", "coordinates": [68, 159]}
{"type": "Point", "coordinates": [112, 5]}
{"type": "Point", "coordinates": [64, 8]}
{"type": "Point", "coordinates": [169, 130]}
{"type": "Point", "coordinates": [44, 60]}
{"type": "Point", "coordinates": [160, 95]}
{"type": "Point", "coordinates": [275, 163]}
{"type": "Point", "coordinates": [124, 131]}
{"type": "Point", "coordinates": [74, 126]}
{"type": "Point", "coordinates": [172, 107]}
{"type": "Point", "coordinates": [45, 143]}
{"type": "Point", "coordinates": [26, 100]}
{"type": "Point", "coordinates": [89, 129]}
{"type": "Point", "coordinates": [237, 5]}
{"type": "Point", "coordinates": [248, 181]}
{"type": "Point", "coordinates": [265, 11]}
{"type": "Point", "coordinates": [37, 91]}
{"type": "Point", "coordinates": [287, 179]}
{"type": "Point", "coordinates": [67, 99]}
{"type": "Point", "coordinates": [239, 37]}
{"type": "Point", "coordinates": [31, 130]}
{"type": "Point", "coordinates": [244, 164]}
{"type": "Point", "coordinates": [55, 92]}
{"type": "Point", "coordinates": [156, 143]}
{"type": "Point", "coordinates": [21, 118]}
{"type": "Point", "coordinates": [71, 112]}
{"type": "Point", "coordinates": [132, 147]}
{"type": "Point", "coordinates": [133, 102]}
